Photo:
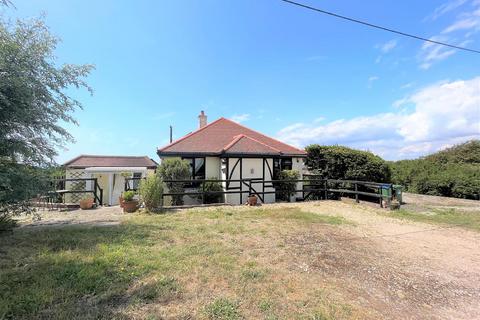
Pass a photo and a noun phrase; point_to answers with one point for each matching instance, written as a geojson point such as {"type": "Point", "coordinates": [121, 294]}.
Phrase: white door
{"type": "Point", "coordinates": [117, 188]}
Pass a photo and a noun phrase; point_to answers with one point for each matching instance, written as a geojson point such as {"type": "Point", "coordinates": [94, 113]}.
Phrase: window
{"type": "Point", "coordinates": [137, 176]}
{"type": "Point", "coordinates": [280, 164]}
{"type": "Point", "coordinates": [197, 168]}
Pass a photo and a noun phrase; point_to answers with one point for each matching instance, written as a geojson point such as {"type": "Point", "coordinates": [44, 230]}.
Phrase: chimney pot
{"type": "Point", "coordinates": [202, 119]}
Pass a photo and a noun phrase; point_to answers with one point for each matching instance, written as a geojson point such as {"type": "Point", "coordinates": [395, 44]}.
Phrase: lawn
{"type": "Point", "coordinates": [211, 264]}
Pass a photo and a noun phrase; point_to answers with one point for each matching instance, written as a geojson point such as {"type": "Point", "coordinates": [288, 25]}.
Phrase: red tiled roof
{"type": "Point", "coordinates": [84, 161]}
{"type": "Point", "coordinates": [224, 136]}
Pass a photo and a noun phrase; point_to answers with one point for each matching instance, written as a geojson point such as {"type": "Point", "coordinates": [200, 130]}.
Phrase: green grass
{"type": "Point", "coordinates": [449, 217]}
{"type": "Point", "coordinates": [223, 309]}
{"type": "Point", "coordinates": [178, 259]}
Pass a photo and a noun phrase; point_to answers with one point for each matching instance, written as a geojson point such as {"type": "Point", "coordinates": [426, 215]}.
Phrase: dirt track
{"type": "Point", "coordinates": [401, 269]}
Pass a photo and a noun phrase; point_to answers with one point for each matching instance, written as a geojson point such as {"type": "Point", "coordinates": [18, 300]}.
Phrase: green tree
{"type": "Point", "coordinates": [34, 107]}
{"type": "Point", "coordinates": [337, 162]}
{"type": "Point", "coordinates": [453, 172]}
{"type": "Point", "coordinates": [175, 169]}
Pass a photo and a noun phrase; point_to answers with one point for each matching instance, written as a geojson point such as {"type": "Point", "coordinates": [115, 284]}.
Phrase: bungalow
{"type": "Point", "coordinates": [110, 172]}
{"type": "Point", "coordinates": [227, 150]}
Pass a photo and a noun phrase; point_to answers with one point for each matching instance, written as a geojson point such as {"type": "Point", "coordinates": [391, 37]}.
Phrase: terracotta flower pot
{"type": "Point", "coordinates": [130, 206]}
{"type": "Point", "coordinates": [252, 200]}
{"type": "Point", "coordinates": [86, 203]}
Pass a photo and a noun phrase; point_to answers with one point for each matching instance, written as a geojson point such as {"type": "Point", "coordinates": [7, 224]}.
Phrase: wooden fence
{"type": "Point", "coordinates": [312, 188]}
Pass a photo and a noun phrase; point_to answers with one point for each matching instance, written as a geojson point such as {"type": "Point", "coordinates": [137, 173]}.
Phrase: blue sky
{"type": "Point", "coordinates": [288, 72]}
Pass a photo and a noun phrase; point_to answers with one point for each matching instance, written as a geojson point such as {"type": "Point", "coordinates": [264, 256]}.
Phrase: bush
{"type": "Point", "coordinates": [286, 188]}
{"type": "Point", "coordinates": [151, 192]}
{"type": "Point", "coordinates": [210, 186]}
{"type": "Point", "coordinates": [454, 172]}
{"type": "Point", "coordinates": [175, 169]}
{"type": "Point", "coordinates": [128, 196]}
{"type": "Point", "coordinates": [337, 162]}
{"type": "Point", "coordinates": [19, 184]}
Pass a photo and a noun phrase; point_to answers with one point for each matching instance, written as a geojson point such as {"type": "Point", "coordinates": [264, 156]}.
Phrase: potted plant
{"type": "Point", "coordinates": [86, 203]}
{"type": "Point", "coordinates": [129, 203]}
{"type": "Point", "coordinates": [252, 200]}
{"type": "Point", "coordinates": [125, 175]}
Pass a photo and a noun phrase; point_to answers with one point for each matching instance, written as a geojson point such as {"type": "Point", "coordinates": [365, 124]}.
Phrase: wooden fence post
{"type": "Point", "coordinates": [356, 193]}
{"type": "Point", "coordinates": [326, 189]}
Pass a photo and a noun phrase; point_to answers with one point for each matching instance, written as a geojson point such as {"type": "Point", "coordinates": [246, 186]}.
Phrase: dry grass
{"type": "Point", "coordinates": [318, 260]}
{"type": "Point", "coordinates": [222, 263]}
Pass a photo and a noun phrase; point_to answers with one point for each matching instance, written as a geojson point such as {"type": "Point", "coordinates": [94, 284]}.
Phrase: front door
{"type": "Point", "coordinates": [103, 182]}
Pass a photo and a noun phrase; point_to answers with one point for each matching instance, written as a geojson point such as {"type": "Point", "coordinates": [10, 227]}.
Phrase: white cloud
{"type": "Point", "coordinates": [371, 80]}
{"type": "Point", "coordinates": [463, 26]}
{"type": "Point", "coordinates": [445, 113]}
{"type": "Point", "coordinates": [240, 117]}
{"type": "Point", "coordinates": [407, 85]}
{"type": "Point", "coordinates": [444, 8]}
{"type": "Point", "coordinates": [388, 46]}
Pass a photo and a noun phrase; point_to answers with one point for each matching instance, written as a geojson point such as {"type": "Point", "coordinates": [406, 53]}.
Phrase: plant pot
{"type": "Point", "coordinates": [394, 205]}
{"type": "Point", "coordinates": [252, 200]}
{"type": "Point", "coordinates": [130, 206]}
{"type": "Point", "coordinates": [120, 201]}
{"type": "Point", "coordinates": [86, 204]}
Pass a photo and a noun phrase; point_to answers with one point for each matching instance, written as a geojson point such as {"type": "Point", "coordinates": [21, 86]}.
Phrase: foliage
{"type": "Point", "coordinates": [128, 195]}
{"type": "Point", "coordinates": [210, 186]}
{"type": "Point", "coordinates": [286, 188]}
{"type": "Point", "coordinates": [151, 192]}
{"type": "Point", "coordinates": [454, 172]}
{"type": "Point", "coordinates": [338, 162]}
{"type": "Point", "coordinates": [175, 169]}
{"type": "Point", "coordinates": [18, 184]}
{"type": "Point", "coordinates": [33, 97]}
{"type": "Point", "coordinates": [34, 104]}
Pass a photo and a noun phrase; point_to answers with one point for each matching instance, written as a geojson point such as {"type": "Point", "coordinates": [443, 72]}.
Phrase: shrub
{"type": "Point", "coordinates": [151, 192]}
{"type": "Point", "coordinates": [175, 169]}
{"type": "Point", "coordinates": [128, 195]}
{"type": "Point", "coordinates": [453, 172]}
{"type": "Point", "coordinates": [286, 188]}
{"type": "Point", "coordinates": [210, 186]}
{"type": "Point", "coordinates": [337, 162]}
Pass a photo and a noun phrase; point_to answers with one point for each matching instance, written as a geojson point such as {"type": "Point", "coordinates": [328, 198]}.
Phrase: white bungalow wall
{"type": "Point", "coordinates": [250, 168]}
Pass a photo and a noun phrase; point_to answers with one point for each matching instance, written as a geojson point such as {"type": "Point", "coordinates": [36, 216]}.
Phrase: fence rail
{"type": "Point", "coordinates": [96, 191]}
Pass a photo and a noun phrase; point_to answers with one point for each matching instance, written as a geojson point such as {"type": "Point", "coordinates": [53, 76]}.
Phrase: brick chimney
{"type": "Point", "coordinates": [202, 119]}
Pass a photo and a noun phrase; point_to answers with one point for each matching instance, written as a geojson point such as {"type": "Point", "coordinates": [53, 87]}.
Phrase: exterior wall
{"type": "Point", "coordinates": [112, 183]}
{"type": "Point", "coordinates": [298, 164]}
{"type": "Point", "coordinates": [212, 167]}
{"type": "Point", "coordinates": [250, 168]}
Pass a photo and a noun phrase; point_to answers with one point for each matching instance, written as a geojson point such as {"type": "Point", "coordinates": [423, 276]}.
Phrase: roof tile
{"type": "Point", "coordinates": [226, 136]}
{"type": "Point", "coordinates": [84, 161]}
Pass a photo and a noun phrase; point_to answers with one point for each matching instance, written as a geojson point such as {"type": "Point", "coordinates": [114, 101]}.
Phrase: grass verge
{"type": "Point", "coordinates": [449, 217]}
